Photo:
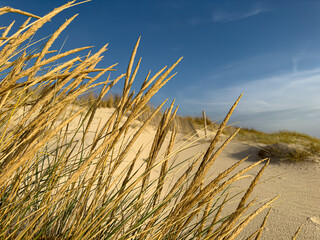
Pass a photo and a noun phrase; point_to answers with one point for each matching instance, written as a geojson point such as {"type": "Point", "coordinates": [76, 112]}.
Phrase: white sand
{"type": "Point", "coordinates": [298, 184]}
{"type": "Point", "coordinates": [299, 187]}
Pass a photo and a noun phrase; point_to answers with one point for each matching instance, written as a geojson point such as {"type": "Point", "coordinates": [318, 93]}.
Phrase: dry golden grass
{"type": "Point", "coordinates": [284, 145]}
{"type": "Point", "coordinates": [109, 101]}
{"type": "Point", "coordinates": [54, 187]}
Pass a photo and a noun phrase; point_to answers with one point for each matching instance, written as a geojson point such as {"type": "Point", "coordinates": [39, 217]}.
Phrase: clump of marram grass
{"type": "Point", "coordinates": [284, 145]}
{"type": "Point", "coordinates": [109, 101]}
{"type": "Point", "coordinates": [200, 121]}
{"type": "Point", "coordinates": [56, 185]}
{"type": "Point", "coordinates": [285, 152]}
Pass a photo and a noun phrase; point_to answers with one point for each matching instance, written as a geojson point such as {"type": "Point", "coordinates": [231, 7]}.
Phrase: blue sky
{"type": "Point", "coordinates": [270, 50]}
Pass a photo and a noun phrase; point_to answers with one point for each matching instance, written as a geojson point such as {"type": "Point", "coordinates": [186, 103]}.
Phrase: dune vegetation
{"type": "Point", "coordinates": [281, 145]}
{"type": "Point", "coordinates": [284, 145]}
{"type": "Point", "coordinates": [57, 185]}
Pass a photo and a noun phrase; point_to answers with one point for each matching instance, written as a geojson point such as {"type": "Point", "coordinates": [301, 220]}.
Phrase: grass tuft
{"type": "Point", "coordinates": [284, 145]}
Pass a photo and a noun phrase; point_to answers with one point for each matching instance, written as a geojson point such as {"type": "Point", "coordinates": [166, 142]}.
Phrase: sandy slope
{"type": "Point", "coordinates": [299, 187]}
{"type": "Point", "coordinates": [298, 184]}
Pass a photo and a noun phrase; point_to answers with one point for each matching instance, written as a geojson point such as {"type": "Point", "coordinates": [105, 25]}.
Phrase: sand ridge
{"type": "Point", "coordinates": [297, 183]}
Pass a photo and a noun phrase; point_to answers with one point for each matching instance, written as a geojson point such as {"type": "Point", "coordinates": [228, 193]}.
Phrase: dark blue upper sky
{"type": "Point", "coordinates": [270, 50]}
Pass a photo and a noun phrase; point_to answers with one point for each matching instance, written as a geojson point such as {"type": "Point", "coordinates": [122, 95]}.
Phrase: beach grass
{"type": "Point", "coordinates": [283, 145]}
{"type": "Point", "coordinates": [54, 184]}
{"type": "Point", "coordinates": [108, 101]}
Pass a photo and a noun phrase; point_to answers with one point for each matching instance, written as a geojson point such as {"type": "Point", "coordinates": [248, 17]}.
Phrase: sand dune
{"type": "Point", "coordinates": [297, 183]}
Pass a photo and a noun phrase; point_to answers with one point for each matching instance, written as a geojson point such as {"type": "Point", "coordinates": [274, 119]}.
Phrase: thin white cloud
{"type": "Point", "coordinates": [227, 16]}
{"type": "Point", "coordinates": [295, 62]}
{"type": "Point", "coordinates": [223, 16]}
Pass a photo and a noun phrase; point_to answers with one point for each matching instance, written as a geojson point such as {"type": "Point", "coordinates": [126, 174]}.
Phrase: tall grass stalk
{"type": "Point", "coordinates": [54, 184]}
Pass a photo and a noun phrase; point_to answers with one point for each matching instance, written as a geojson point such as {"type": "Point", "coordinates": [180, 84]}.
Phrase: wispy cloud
{"type": "Point", "coordinates": [297, 58]}
{"type": "Point", "coordinates": [223, 16]}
